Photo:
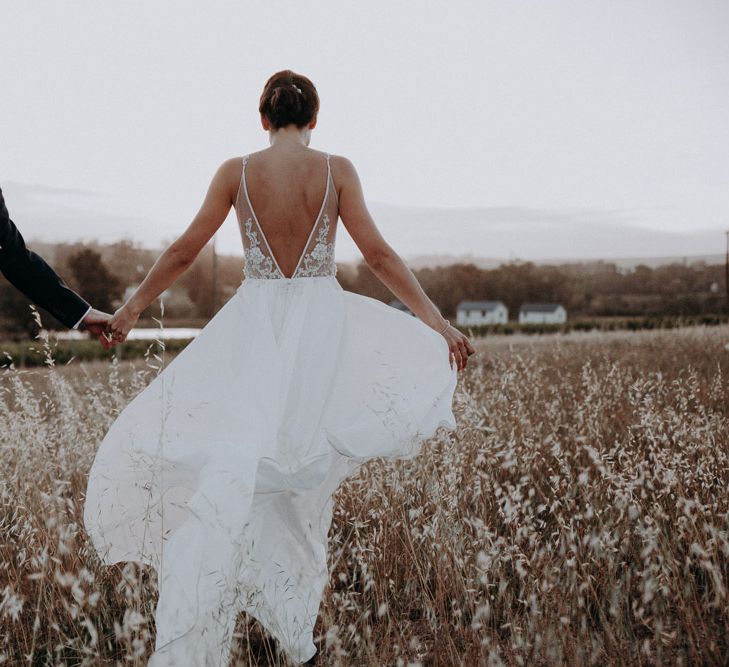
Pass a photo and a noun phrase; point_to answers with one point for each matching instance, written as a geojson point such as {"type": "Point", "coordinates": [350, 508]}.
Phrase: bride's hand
{"type": "Point", "coordinates": [459, 346]}
{"type": "Point", "coordinates": [120, 325]}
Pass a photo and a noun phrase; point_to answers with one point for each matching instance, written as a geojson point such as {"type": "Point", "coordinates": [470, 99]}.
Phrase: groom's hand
{"type": "Point", "coordinates": [95, 322]}
{"type": "Point", "coordinates": [106, 339]}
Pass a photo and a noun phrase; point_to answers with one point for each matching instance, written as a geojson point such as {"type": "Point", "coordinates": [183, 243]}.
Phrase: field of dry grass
{"type": "Point", "coordinates": [578, 516]}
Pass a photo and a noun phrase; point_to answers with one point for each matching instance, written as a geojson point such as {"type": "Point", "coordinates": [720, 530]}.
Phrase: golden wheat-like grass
{"type": "Point", "coordinates": [578, 516]}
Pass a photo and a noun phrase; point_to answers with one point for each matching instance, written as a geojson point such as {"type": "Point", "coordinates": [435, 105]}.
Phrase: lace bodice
{"type": "Point", "coordinates": [317, 256]}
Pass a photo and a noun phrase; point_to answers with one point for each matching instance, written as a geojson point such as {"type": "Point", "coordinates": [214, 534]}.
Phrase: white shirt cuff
{"type": "Point", "coordinates": [75, 326]}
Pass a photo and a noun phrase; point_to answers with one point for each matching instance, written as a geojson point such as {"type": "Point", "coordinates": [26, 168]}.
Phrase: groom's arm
{"type": "Point", "coordinates": [30, 274]}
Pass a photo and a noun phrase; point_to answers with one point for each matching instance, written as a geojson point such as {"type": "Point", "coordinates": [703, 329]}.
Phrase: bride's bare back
{"type": "Point", "coordinates": [286, 192]}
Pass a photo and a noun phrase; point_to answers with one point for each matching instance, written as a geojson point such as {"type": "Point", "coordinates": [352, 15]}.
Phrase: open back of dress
{"type": "Point", "coordinates": [317, 255]}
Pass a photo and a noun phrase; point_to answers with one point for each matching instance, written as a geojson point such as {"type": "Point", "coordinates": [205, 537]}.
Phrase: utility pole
{"type": "Point", "coordinates": [726, 271]}
{"type": "Point", "coordinates": [214, 299]}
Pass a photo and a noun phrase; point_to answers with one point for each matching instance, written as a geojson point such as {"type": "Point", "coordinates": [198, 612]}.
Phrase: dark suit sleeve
{"type": "Point", "coordinates": [30, 274]}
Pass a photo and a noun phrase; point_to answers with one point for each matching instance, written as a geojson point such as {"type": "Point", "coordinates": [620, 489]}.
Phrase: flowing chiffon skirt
{"type": "Point", "coordinates": [220, 473]}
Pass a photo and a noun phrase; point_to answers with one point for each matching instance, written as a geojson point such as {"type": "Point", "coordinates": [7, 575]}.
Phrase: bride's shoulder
{"type": "Point", "coordinates": [231, 164]}
{"type": "Point", "coordinates": [336, 159]}
{"type": "Point", "coordinates": [343, 171]}
{"type": "Point", "coordinates": [341, 164]}
{"type": "Point", "coordinates": [231, 169]}
{"type": "Point", "coordinates": [228, 177]}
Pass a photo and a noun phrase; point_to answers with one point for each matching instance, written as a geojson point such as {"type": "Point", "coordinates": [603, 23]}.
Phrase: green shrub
{"type": "Point", "coordinates": [36, 353]}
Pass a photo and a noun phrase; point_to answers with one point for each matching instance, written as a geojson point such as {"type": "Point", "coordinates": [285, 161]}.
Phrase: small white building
{"type": "Point", "coordinates": [481, 312]}
{"type": "Point", "coordinates": [396, 303]}
{"type": "Point", "coordinates": [542, 313]}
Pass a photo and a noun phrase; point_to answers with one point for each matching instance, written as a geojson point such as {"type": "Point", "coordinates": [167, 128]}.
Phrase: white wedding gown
{"type": "Point", "coordinates": [220, 473]}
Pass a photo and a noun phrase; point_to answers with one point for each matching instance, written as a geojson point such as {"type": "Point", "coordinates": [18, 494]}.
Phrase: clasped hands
{"type": "Point", "coordinates": [110, 329]}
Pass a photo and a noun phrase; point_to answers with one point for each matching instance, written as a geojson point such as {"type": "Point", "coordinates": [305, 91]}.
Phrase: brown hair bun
{"type": "Point", "coordinates": [288, 98]}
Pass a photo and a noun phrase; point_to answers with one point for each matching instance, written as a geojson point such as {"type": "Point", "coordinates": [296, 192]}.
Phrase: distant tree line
{"type": "Point", "coordinates": [102, 273]}
{"type": "Point", "coordinates": [593, 289]}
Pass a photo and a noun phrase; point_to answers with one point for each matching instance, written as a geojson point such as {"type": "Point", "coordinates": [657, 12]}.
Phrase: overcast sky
{"type": "Point", "coordinates": [584, 122]}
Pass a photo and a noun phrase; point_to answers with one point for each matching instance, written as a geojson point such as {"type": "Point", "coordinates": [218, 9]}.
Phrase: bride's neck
{"type": "Point", "coordinates": [289, 136]}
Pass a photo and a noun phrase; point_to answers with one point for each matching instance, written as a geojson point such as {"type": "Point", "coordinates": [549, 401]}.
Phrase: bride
{"type": "Point", "coordinates": [220, 473]}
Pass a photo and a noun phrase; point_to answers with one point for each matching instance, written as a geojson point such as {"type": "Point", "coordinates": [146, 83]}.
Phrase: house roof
{"type": "Point", "coordinates": [539, 307]}
{"type": "Point", "coordinates": [479, 305]}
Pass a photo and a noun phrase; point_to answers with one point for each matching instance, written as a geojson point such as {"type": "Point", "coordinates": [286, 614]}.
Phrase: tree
{"type": "Point", "coordinates": [93, 281]}
{"type": "Point", "coordinates": [367, 283]}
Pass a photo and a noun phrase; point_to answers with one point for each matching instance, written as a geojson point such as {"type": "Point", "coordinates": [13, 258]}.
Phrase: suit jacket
{"type": "Point", "coordinates": [30, 274]}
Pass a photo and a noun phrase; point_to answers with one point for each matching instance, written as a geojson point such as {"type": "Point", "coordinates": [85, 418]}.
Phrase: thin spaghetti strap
{"type": "Point", "coordinates": [331, 177]}
{"type": "Point", "coordinates": [244, 159]}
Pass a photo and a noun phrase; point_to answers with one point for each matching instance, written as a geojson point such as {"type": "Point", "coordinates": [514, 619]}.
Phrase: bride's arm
{"type": "Point", "coordinates": [182, 252]}
{"type": "Point", "coordinates": [387, 265]}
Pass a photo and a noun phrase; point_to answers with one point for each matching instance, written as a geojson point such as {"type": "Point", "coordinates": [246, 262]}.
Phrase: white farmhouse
{"type": "Point", "coordinates": [481, 312]}
{"type": "Point", "coordinates": [542, 313]}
